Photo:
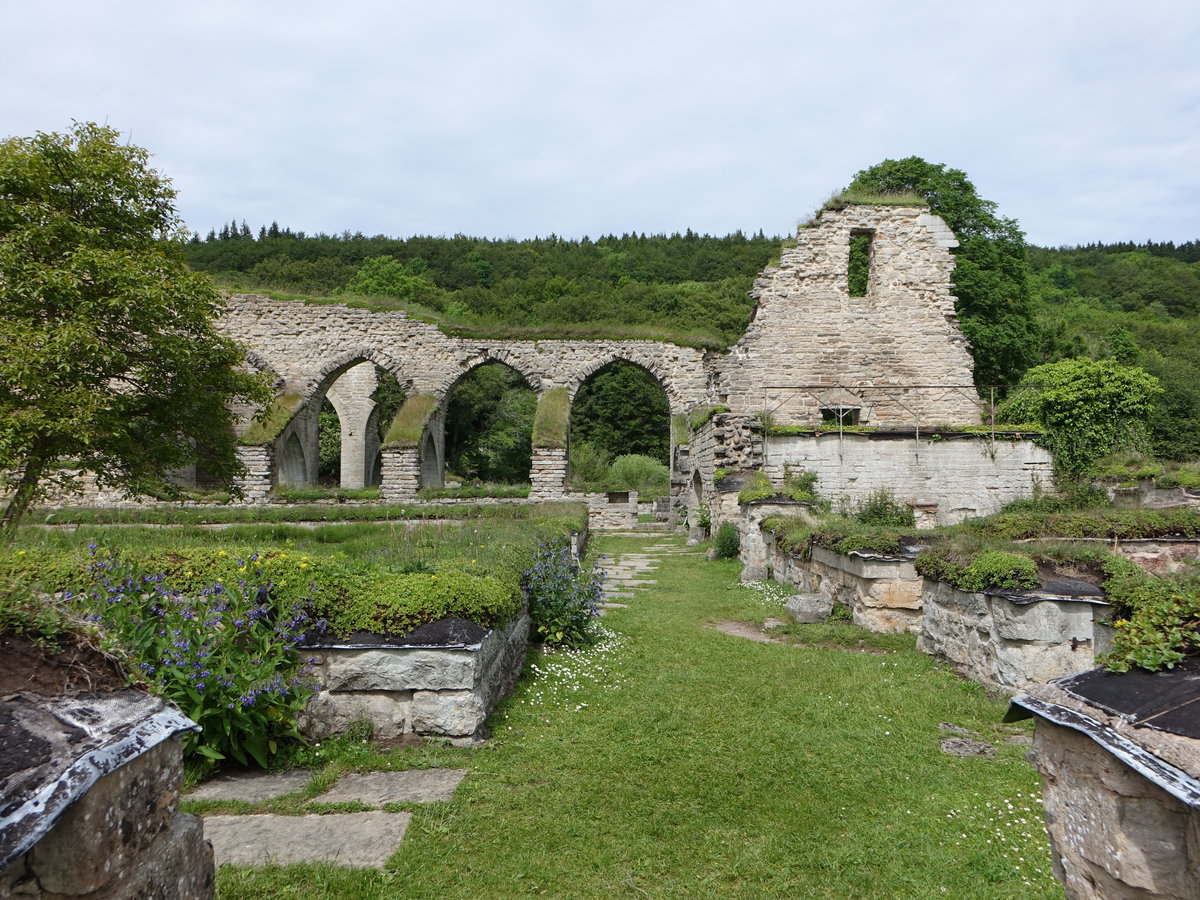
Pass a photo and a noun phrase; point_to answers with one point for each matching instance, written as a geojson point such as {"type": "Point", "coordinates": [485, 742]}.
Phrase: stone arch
{"type": "Point", "coordinates": [437, 422]}
{"type": "Point", "coordinates": [353, 406]}
{"type": "Point", "coordinates": [650, 365]}
{"type": "Point", "coordinates": [515, 361]}
{"type": "Point", "coordinates": [332, 369]}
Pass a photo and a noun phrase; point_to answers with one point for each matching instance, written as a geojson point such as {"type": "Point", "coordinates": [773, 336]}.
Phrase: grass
{"type": "Point", "coordinates": [700, 337]}
{"type": "Point", "coordinates": [401, 546]}
{"type": "Point", "coordinates": [677, 761]}
{"type": "Point", "coordinates": [384, 512]}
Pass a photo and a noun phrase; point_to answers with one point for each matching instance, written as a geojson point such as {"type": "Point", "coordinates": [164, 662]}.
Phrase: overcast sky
{"type": "Point", "coordinates": [523, 118]}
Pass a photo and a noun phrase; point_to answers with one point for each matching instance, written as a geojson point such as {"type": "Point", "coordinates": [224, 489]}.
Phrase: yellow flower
{"type": "Point", "coordinates": [220, 553]}
{"type": "Point", "coordinates": [20, 553]}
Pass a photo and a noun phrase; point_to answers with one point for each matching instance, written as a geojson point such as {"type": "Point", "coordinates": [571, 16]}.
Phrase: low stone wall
{"type": "Point", "coordinates": [612, 511]}
{"type": "Point", "coordinates": [447, 691]}
{"type": "Point", "coordinates": [883, 594]}
{"type": "Point", "coordinates": [1008, 645]}
{"type": "Point", "coordinates": [96, 813]}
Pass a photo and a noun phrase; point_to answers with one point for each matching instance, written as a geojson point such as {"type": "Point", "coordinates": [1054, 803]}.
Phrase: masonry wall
{"type": "Point", "coordinates": [1113, 832]}
{"type": "Point", "coordinates": [809, 335]}
{"type": "Point", "coordinates": [971, 476]}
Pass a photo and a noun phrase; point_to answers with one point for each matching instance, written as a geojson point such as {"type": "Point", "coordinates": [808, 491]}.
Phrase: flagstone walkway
{"type": "Point", "coordinates": [357, 839]}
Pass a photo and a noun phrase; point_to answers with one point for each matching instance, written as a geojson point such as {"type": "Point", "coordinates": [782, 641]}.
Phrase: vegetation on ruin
{"type": "Point", "coordinates": [675, 761]}
{"type": "Point", "coordinates": [1157, 618]}
{"type": "Point", "coordinates": [990, 271]}
{"type": "Point", "coordinates": [1089, 408]}
{"type": "Point", "coordinates": [109, 354]}
{"type": "Point", "coordinates": [550, 423]}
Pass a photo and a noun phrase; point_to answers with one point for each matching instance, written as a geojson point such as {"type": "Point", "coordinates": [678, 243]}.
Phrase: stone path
{"type": "Point", "coordinates": [627, 572]}
{"type": "Point", "coordinates": [361, 839]}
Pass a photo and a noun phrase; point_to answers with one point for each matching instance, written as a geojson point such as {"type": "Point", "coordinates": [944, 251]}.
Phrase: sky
{"type": "Point", "coordinates": [1079, 119]}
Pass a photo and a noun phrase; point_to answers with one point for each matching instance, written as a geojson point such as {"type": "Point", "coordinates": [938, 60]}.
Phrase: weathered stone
{"type": "Point", "coordinates": [452, 713]}
{"type": "Point", "coordinates": [1113, 833]}
{"type": "Point", "coordinates": [389, 670]}
{"type": "Point", "coordinates": [107, 828]}
{"type": "Point", "coordinates": [251, 787]}
{"type": "Point", "coordinates": [965, 747]}
{"type": "Point", "coordinates": [808, 609]}
{"type": "Point", "coordinates": [423, 690]}
{"type": "Point", "coordinates": [378, 788]}
{"type": "Point", "coordinates": [968, 629]}
{"type": "Point", "coordinates": [358, 840]}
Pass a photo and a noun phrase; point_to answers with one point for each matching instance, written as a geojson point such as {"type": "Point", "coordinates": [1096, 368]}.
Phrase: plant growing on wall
{"type": "Point", "coordinates": [109, 356]}
{"type": "Point", "coordinates": [1090, 408]}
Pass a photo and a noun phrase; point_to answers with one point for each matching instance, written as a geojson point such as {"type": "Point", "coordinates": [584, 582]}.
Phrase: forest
{"type": "Point", "coordinates": [1135, 303]}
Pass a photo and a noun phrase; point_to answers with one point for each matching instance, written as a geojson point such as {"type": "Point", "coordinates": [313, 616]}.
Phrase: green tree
{"type": "Point", "coordinates": [388, 277]}
{"type": "Point", "coordinates": [109, 357]}
{"type": "Point", "coordinates": [991, 273]}
{"type": "Point", "coordinates": [1090, 408]}
{"type": "Point", "coordinates": [622, 409]}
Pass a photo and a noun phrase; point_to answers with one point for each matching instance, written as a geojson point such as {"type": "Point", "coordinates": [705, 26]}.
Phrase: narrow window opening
{"type": "Point", "coordinates": [840, 415]}
{"type": "Point", "coordinates": [858, 269]}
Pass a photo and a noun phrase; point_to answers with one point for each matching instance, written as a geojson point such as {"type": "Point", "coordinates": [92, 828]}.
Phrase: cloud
{"type": "Point", "coordinates": [530, 117]}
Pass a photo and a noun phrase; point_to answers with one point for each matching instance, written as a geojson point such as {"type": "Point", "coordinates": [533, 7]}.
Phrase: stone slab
{"type": "Point", "coordinates": [358, 840]}
{"type": "Point", "coordinates": [413, 786]}
{"type": "Point", "coordinates": [251, 787]}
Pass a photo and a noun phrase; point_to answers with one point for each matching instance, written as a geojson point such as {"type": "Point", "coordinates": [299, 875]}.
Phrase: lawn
{"type": "Point", "coordinates": [677, 761]}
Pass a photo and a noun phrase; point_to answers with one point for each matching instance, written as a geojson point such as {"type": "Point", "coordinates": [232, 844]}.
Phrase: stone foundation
{"type": "Point", "coordinates": [1113, 832]}
{"type": "Point", "coordinates": [123, 838]}
{"type": "Point", "coordinates": [883, 594]}
{"type": "Point", "coordinates": [445, 691]}
{"type": "Point", "coordinates": [1011, 646]}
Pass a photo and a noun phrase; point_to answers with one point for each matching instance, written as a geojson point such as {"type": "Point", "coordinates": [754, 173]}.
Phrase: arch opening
{"type": "Point", "coordinates": [620, 431]}
{"type": "Point", "coordinates": [488, 426]}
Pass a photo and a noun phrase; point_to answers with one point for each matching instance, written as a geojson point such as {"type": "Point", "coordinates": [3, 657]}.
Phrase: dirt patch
{"type": "Point", "coordinates": [26, 667]}
{"type": "Point", "coordinates": [745, 630]}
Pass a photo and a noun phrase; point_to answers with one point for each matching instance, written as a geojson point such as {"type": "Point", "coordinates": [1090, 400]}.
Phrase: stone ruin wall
{"type": "Point", "coordinates": [897, 354]}
{"type": "Point", "coordinates": [808, 331]}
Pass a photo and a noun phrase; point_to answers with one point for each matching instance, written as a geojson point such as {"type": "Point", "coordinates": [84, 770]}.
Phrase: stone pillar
{"type": "Point", "coordinates": [548, 476]}
{"type": "Point", "coordinates": [350, 396]}
{"type": "Point", "coordinates": [401, 473]}
{"type": "Point", "coordinates": [260, 467]}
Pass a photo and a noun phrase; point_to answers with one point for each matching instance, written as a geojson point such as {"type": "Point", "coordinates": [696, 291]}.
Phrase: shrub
{"type": "Point", "coordinates": [564, 599]}
{"type": "Point", "coordinates": [589, 465]}
{"type": "Point", "coordinates": [225, 655]}
{"type": "Point", "coordinates": [644, 474]}
{"type": "Point", "coordinates": [1158, 622]}
{"type": "Point", "coordinates": [727, 541]}
{"type": "Point", "coordinates": [882, 508]}
{"type": "Point", "coordinates": [800, 486]}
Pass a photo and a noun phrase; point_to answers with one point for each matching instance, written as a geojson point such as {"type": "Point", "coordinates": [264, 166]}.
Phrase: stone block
{"type": "Point", "coordinates": [106, 829]}
{"type": "Point", "coordinates": [808, 609]}
{"type": "Point", "coordinates": [390, 712]}
{"type": "Point", "coordinates": [406, 670]}
{"type": "Point", "coordinates": [452, 713]}
{"type": "Point", "coordinates": [1049, 620]}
